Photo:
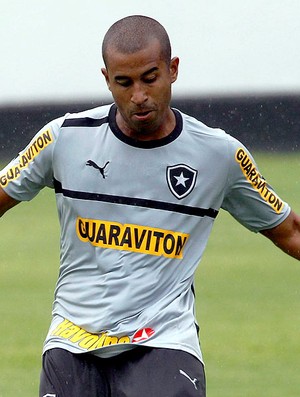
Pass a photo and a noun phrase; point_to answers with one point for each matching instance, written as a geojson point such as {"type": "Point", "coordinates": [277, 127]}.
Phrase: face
{"type": "Point", "coordinates": [141, 87]}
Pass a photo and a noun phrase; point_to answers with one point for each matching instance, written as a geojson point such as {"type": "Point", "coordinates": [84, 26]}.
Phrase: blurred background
{"type": "Point", "coordinates": [239, 64]}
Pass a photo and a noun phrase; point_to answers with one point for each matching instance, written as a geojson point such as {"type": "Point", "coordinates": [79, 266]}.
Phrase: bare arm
{"type": "Point", "coordinates": [287, 235]}
{"type": "Point", "coordinates": [6, 202]}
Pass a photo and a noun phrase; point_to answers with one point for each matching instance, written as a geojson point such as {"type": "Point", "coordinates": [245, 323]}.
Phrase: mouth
{"type": "Point", "coordinates": [142, 116]}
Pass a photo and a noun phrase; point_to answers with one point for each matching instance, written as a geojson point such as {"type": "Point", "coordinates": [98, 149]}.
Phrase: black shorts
{"type": "Point", "coordinates": [142, 372]}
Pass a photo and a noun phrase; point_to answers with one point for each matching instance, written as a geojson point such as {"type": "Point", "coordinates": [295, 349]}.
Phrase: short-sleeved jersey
{"type": "Point", "coordinates": [135, 218]}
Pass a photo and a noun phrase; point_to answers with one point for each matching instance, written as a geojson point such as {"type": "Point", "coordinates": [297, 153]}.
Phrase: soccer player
{"type": "Point", "coordinates": [138, 186]}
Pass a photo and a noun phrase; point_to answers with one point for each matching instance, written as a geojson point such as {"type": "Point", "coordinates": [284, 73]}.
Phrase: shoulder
{"type": "Point", "coordinates": [71, 121]}
{"type": "Point", "coordinates": [195, 126]}
{"type": "Point", "coordinates": [87, 118]}
{"type": "Point", "coordinates": [208, 138]}
{"type": "Point", "coordinates": [83, 118]}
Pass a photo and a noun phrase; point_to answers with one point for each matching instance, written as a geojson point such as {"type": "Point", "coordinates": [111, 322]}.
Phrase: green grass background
{"type": "Point", "coordinates": [248, 298]}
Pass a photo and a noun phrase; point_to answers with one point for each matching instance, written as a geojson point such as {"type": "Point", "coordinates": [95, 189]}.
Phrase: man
{"type": "Point", "coordinates": [138, 187]}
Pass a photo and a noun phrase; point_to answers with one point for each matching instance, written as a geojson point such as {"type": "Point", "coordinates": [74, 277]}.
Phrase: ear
{"type": "Point", "coordinates": [106, 76]}
{"type": "Point", "coordinates": [174, 64]}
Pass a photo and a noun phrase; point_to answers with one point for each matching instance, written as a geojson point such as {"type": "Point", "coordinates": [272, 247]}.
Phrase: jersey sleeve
{"type": "Point", "coordinates": [249, 198]}
{"type": "Point", "coordinates": [32, 170]}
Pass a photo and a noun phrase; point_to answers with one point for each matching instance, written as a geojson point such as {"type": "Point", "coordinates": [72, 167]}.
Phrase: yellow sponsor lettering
{"type": "Point", "coordinates": [124, 339]}
{"type": "Point", "coordinates": [62, 327]}
{"type": "Point", "coordinates": [129, 237]}
{"type": "Point", "coordinates": [110, 340]}
{"type": "Point", "coordinates": [78, 335]}
{"type": "Point", "coordinates": [70, 331]}
{"type": "Point", "coordinates": [99, 343]}
{"type": "Point", "coordinates": [257, 181]}
{"type": "Point", "coordinates": [86, 340]}
{"type": "Point", "coordinates": [39, 144]}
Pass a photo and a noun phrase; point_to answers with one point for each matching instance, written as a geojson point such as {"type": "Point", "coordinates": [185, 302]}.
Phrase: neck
{"type": "Point", "coordinates": [148, 132]}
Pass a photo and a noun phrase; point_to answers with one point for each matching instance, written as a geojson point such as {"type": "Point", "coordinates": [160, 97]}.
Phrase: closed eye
{"type": "Point", "coordinates": [150, 79]}
{"type": "Point", "coordinates": [124, 82]}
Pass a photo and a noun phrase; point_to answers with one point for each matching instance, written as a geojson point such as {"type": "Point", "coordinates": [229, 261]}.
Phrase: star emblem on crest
{"type": "Point", "coordinates": [181, 180]}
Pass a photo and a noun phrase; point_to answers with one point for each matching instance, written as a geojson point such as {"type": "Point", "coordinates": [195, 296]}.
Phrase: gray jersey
{"type": "Point", "coordinates": [135, 218]}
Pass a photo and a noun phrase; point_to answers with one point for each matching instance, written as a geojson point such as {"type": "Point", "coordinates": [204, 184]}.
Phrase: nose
{"type": "Point", "coordinates": [139, 94]}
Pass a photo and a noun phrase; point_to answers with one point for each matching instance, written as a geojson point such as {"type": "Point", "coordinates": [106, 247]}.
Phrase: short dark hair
{"type": "Point", "coordinates": [133, 33]}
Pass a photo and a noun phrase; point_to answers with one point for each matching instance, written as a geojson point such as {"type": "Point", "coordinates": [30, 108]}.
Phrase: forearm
{"type": "Point", "coordinates": [286, 236]}
{"type": "Point", "coordinates": [6, 202]}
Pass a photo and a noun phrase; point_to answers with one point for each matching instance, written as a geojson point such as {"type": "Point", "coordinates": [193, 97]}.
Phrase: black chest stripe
{"type": "Point", "coordinates": [84, 122]}
{"type": "Point", "coordinates": [134, 201]}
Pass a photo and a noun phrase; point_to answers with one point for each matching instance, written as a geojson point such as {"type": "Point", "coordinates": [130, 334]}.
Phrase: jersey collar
{"type": "Point", "coordinates": [144, 144]}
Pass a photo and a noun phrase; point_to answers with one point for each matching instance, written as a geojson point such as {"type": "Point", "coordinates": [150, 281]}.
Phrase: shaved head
{"type": "Point", "coordinates": [133, 34]}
